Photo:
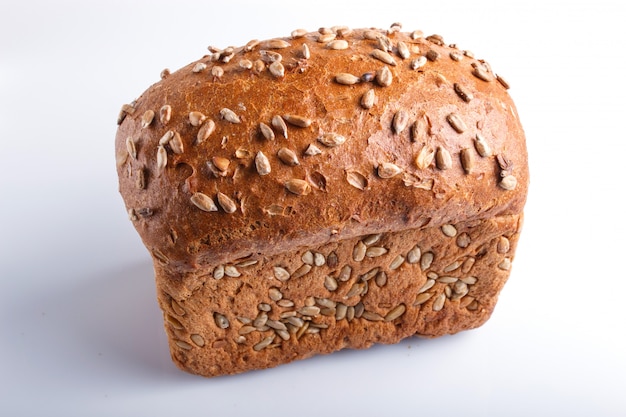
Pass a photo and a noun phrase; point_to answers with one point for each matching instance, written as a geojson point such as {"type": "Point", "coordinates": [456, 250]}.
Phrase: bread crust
{"type": "Point", "coordinates": [259, 154]}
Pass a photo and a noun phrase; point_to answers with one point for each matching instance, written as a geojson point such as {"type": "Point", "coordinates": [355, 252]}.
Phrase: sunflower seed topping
{"type": "Point", "coordinates": [463, 240]}
{"type": "Point", "coordinates": [414, 255]}
{"type": "Point", "coordinates": [281, 273]}
{"type": "Point", "coordinates": [266, 131]}
{"type": "Point", "coordinates": [146, 118]}
{"type": "Point", "coordinates": [443, 158]}
{"type": "Point", "coordinates": [346, 79]}
{"type": "Point", "coordinates": [161, 158]}
{"type": "Point", "coordinates": [508, 183]}
{"type": "Point", "coordinates": [331, 139]}
{"type": "Point", "coordinates": [481, 145]}
{"type": "Point", "coordinates": [312, 150]}
{"type": "Point", "coordinates": [203, 202]}
{"type": "Point", "coordinates": [288, 157]}
{"type": "Point", "coordinates": [467, 160]}
{"type": "Point", "coordinates": [221, 321]}
{"type": "Point", "coordinates": [279, 124]}
{"type": "Point", "coordinates": [218, 272]}
{"type": "Point", "coordinates": [388, 170]}
{"type": "Point", "coordinates": [358, 253]}
{"type": "Point", "coordinates": [183, 345]}
{"type": "Point", "coordinates": [326, 37]}
{"type": "Point", "coordinates": [463, 92]}
{"type": "Point", "coordinates": [356, 180]}
{"type": "Point", "coordinates": [504, 245]}
{"type": "Point", "coordinates": [207, 128]}
{"type": "Point", "coordinates": [449, 230]}
{"type": "Point", "coordinates": [276, 44]}
{"type": "Point", "coordinates": [124, 111]}
{"type": "Point", "coordinates": [422, 298]}
{"type": "Point", "coordinates": [196, 118]}
{"type": "Point", "coordinates": [298, 33]}
{"type": "Point", "coordinates": [165, 114]}
{"type": "Point", "coordinates": [400, 121]}
{"type": "Point", "coordinates": [130, 147]}
{"type": "Point", "coordinates": [298, 121]}
{"type": "Point", "coordinates": [384, 78]}
{"type": "Point", "coordinates": [229, 115]}
{"type": "Point", "coordinates": [337, 45]}
{"type": "Point", "coordinates": [330, 283]}
{"type": "Point", "coordinates": [432, 55]}
{"type": "Point", "coordinates": [424, 157]}
{"type": "Point", "coordinates": [395, 312]}
{"type": "Point", "coordinates": [375, 251]}
{"type": "Point", "coordinates": [227, 204]}
{"type": "Point", "coordinates": [384, 57]}
{"type": "Point", "coordinates": [368, 99]}
{"type": "Point", "coordinates": [262, 164]}
{"type": "Point", "coordinates": [306, 52]}
{"type": "Point", "coordinates": [397, 261]}
{"type": "Point", "coordinates": [456, 122]}
{"type": "Point", "coordinates": [426, 260]}
{"type": "Point", "coordinates": [418, 62]}
{"type": "Point", "coordinates": [217, 72]}
{"type": "Point", "coordinates": [264, 343]}
{"type": "Point", "coordinates": [298, 187]}
{"type": "Point", "coordinates": [456, 56]}
{"type": "Point", "coordinates": [277, 69]}
{"type": "Point", "coordinates": [482, 73]}
{"type": "Point", "coordinates": [439, 302]}
{"type": "Point", "coordinates": [176, 143]}
{"type": "Point", "coordinates": [403, 50]}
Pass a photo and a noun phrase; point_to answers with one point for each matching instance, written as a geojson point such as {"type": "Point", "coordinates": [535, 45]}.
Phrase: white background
{"type": "Point", "coordinates": [81, 333]}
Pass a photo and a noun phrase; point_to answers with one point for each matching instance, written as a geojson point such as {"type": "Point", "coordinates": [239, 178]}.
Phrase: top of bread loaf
{"type": "Point", "coordinates": [317, 137]}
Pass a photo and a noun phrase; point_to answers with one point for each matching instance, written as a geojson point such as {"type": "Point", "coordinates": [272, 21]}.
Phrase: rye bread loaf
{"type": "Point", "coordinates": [328, 190]}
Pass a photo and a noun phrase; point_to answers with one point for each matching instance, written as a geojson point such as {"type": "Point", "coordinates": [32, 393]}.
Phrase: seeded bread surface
{"type": "Point", "coordinates": [331, 189]}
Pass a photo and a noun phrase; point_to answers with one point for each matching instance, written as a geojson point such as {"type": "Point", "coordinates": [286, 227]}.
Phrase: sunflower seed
{"type": "Point", "coordinates": [422, 298]}
{"type": "Point", "coordinates": [337, 45]}
{"type": "Point", "coordinates": [443, 159]}
{"type": "Point", "coordinates": [384, 78]}
{"type": "Point", "coordinates": [279, 124]}
{"type": "Point", "coordinates": [449, 230]}
{"type": "Point", "coordinates": [325, 302]}
{"type": "Point", "coordinates": [310, 311]}
{"type": "Point", "coordinates": [356, 180]}
{"type": "Point", "coordinates": [258, 66]}
{"type": "Point", "coordinates": [197, 339]}
{"type": "Point", "coordinates": [456, 122]}
{"type": "Point", "coordinates": [388, 170]}
{"type": "Point", "coordinates": [427, 285]}
{"type": "Point", "coordinates": [426, 260]}
{"type": "Point", "coordinates": [395, 312]}
{"type": "Point", "coordinates": [466, 301]}
{"type": "Point", "coordinates": [347, 79]}
{"type": "Point", "coordinates": [371, 316]}
{"type": "Point", "coordinates": [384, 43]}
{"type": "Point", "coordinates": [369, 274]}
{"type": "Point", "coordinates": [418, 62]}
{"type": "Point", "coordinates": [468, 264]}
{"type": "Point", "coordinates": [229, 115]}
{"type": "Point", "coordinates": [207, 128]}
{"type": "Point", "coordinates": [439, 302]}
{"type": "Point", "coordinates": [463, 240]}
{"type": "Point", "coordinates": [432, 55]}
{"type": "Point", "coordinates": [196, 118]}
{"type": "Point", "coordinates": [262, 164]}
{"type": "Point", "coordinates": [356, 289]}
{"type": "Point", "coordinates": [481, 145]}
{"type": "Point", "coordinates": [221, 321]}
{"type": "Point", "coordinates": [220, 163]}
{"type": "Point", "coordinates": [330, 283]}
{"type": "Point", "coordinates": [375, 251]}
{"type": "Point", "coordinates": [381, 279]}
{"type": "Point", "coordinates": [508, 183]}
{"type": "Point", "coordinates": [358, 253]}
{"type": "Point", "coordinates": [447, 279]}
{"type": "Point", "coordinates": [281, 273]}
{"type": "Point", "coordinates": [285, 303]}
{"type": "Point", "coordinates": [298, 121]}
{"type": "Point", "coordinates": [307, 257]}
{"type": "Point", "coordinates": [276, 44]}
{"type": "Point", "coordinates": [146, 118]}
{"type": "Point", "coordinates": [226, 203]}
{"type": "Point", "coordinates": [346, 272]}
{"type": "Point", "coordinates": [414, 255]}
{"type": "Point", "coordinates": [467, 160]}
{"type": "Point", "coordinates": [178, 309]}
{"type": "Point", "coordinates": [331, 139]}
{"type": "Point", "coordinates": [266, 131]}
{"type": "Point", "coordinates": [174, 322]}
{"type": "Point", "coordinates": [217, 72]}
{"type": "Point", "coordinates": [503, 82]}
{"type": "Point", "coordinates": [403, 50]}
{"type": "Point", "coordinates": [396, 263]}
{"type": "Point", "coordinates": [306, 52]}
{"type": "Point", "coordinates": [504, 245]}
{"type": "Point", "coordinates": [124, 111]}
{"type": "Point", "coordinates": [463, 92]}
{"type": "Point", "coordinates": [368, 99]}
{"type": "Point", "coordinates": [298, 187]}
{"type": "Point", "coordinates": [424, 157]}
{"type": "Point", "coordinates": [456, 56]}
{"type": "Point", "coordinates": [161, 158]}
{"type": "Point", "coordinates": [176, 143]}
{"type": "Point", "coordinates": [264, 343]}
{"type": "Point", "coordinates": [275, 294]}
{"type": "Point", "coordinates": [203, 202]}
{"type": "Point", "coordinates": [183, 345]}
{"type": "Point", "coordinates": [505, 265]}
{"type": "Point", "coordinates": [245, 64]}
{"type": "Point", "coordinates": [469, 280]}
{"type": "Point", "coordinates": [481, 73]}
{"type": "Point", "coordinates": [340, 311]}
{"type": "Point", "coordinates": [312, 150]}
{"type": "Point", "coordinates": [277, 69]}
{"type": "Point", "coordinates": [400, 121]}
{"type": "Point", "coordinates": [384, 57]}
{"type": "Point", "coordinates": [459, 290]}
{"type": "Point", "coordinates": [298, 33]}
{"type": "Point", "coordinates": [218, 272]}
{"type": "Point", "coordinates": [302, 271]}
{"type": "Point", "coordinates": [165, 114]}
{"type": "Point", "coordinates": [130, 147]}
{"type": "Point", "coordinates": [326, 37]}
{"type": "Point", "coordinates": [261, 320]}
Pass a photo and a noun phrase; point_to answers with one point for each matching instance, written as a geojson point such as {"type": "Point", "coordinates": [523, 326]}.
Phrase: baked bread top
{"type": "Point", "coordinates": [316, 137]}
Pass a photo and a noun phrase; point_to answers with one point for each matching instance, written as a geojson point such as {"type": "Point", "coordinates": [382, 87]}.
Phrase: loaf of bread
{"type": "Point", "coordinates": [326, 190]}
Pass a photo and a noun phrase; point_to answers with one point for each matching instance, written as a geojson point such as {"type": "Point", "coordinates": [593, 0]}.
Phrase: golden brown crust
{"type": "Point", "coordinates": [260, 152]}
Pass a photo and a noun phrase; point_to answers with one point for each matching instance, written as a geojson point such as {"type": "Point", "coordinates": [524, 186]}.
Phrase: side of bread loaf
{"type": "Point", "coordinates": [332, 189]}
